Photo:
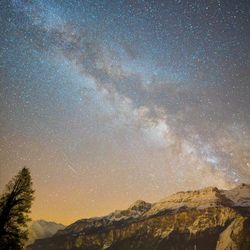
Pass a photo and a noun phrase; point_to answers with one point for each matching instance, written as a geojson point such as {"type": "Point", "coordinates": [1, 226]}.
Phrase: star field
{"type": "Point", "coordinates": [112, 101]}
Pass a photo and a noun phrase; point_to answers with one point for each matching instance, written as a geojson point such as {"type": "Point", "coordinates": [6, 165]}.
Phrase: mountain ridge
{"type": "Point", "coordinates": [199, 219]}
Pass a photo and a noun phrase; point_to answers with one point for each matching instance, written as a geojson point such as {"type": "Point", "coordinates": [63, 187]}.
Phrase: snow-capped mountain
{"type": "Point", "coordinates": [203, 219]}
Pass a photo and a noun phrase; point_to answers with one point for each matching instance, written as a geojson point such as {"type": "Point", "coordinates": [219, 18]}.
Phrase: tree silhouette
{"type": "Point", "coordinates": [15, 206]}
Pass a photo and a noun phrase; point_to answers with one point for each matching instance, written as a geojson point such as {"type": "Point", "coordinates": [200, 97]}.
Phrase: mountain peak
{"type": "Point", "coordinates": [240, 195]}
{"type": "Point", "coordinates": [140, 206]}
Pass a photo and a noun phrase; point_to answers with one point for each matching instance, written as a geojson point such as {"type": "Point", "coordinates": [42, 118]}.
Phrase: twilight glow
{"type": "Point", "coordinates": [108, 102]}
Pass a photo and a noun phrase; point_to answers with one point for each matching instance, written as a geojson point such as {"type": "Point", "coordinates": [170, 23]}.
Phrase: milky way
{"type": "Point", "coordinates": [111, 101]}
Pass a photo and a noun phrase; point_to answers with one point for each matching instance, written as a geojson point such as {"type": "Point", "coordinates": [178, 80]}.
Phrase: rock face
{"type": "Point", "coordinates": [40, 229]}
{"type": "Point", "coordinates": [205, 219]}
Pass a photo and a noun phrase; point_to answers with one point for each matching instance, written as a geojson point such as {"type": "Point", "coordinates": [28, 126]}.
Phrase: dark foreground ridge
{"type": "Point", "coordinates": [205, 219]}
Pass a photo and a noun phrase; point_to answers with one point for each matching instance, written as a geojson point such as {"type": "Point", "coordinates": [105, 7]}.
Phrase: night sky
{"type": "Point", "coordinates": [108, 102]}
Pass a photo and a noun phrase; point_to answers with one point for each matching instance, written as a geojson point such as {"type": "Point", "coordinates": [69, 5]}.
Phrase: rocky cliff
{"type": "Point", "coordinates": [205, 219]}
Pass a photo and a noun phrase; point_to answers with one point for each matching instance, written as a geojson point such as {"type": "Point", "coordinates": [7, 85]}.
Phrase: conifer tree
{"type": "Point", "coordinates": [15, 205]}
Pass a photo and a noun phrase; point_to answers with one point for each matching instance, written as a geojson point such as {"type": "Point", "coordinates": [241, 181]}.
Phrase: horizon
{"type": "Point", "coordinates": [105, 213]}
{"type": "Point", "coordinates": [115, 209]}
{"type": "Point", "coordinates": [108, 102]}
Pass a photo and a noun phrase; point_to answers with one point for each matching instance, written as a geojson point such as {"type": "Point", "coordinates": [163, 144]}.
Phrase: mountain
{"type": "Point", "coordinates": [204, 219]}
{"type": "Point", "coordinates": [40, 229]}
